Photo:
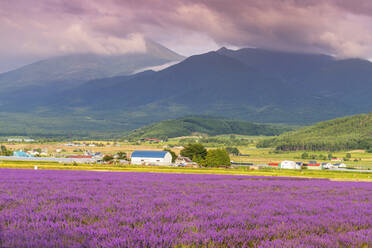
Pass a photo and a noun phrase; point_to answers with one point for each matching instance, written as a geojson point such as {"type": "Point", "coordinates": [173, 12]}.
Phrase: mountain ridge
{"type": "Point", "coordinates": [248, 84]}
{"type": "Point", "coordinates": [75, 68]}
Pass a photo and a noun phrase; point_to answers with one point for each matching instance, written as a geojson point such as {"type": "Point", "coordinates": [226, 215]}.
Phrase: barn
{"type": "Point", "coordinates": [151, 158]}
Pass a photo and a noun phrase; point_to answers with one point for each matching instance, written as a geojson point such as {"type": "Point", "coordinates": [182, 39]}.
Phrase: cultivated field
{"type": "Point", "coordinates": [107, 209]}
{"type": "Point", "coordinates": [271, 172]}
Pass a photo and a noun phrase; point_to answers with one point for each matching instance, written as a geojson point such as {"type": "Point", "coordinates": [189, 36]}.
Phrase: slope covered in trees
{"type": "Point", "coordinates": [204, 125]}
{"type": "Point", "coordinates": [346, 133]}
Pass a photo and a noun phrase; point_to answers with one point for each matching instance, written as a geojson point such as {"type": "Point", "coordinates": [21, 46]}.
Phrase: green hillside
{"type": "Point", "coordinates": [204, 125]}
{"type": "Point", "coordinates": [346, 133]}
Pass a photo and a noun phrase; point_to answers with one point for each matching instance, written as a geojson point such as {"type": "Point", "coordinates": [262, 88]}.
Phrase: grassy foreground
{"type": "Point", "coordinates": [332, 175]}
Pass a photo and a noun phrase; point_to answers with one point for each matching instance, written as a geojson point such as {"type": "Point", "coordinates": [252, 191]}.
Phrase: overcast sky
{"type": "Point", "coordinates": [32, 30]}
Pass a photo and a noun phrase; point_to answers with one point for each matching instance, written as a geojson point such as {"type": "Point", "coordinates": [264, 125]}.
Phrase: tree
{"type": "Point", "coordinates": [174, 155]}
{"type": "Point", "coordinates": [5, 152]}
{"type": "Point", "coordinates": [217, 157]}
{"type": "Point", "coordinates": [233, 150]}
{"type": "Point", "coordinates": [348, 155]}
{"type": "Point", "coordinates": [199, 160]}
{"type": "Point", "coordinates": [194, 150]}
{"type": "Point", "coordinates": [330, 156]}
{"type": "Point", "coordinates": [304, 155]}
{"type": "Point", "coordinates": [108, 158]}
{"type": "Point", "coordinates": [122, 155]}
{"type": "Point", "coordinates": [322, 157]}
{"type": "Point", "coordinates": [3, 149]}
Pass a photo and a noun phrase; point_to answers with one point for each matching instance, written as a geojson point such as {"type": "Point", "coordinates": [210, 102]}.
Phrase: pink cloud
{"type": "Point", "coordinates": [52, 27]}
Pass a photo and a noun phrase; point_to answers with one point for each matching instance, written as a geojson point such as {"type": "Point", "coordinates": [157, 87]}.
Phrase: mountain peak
{"type": "Point", "coordinates": [74, 69]}
{"type": "Point", "coordinates": [223, 50]}
{"type": "Point", "coordinates": [157, 50]}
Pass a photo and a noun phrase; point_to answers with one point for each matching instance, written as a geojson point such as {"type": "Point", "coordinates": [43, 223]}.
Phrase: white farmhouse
{"type": "Point", "coordinates": [151, 158]}
{"type": "Point", "coordinates": [290, 165]}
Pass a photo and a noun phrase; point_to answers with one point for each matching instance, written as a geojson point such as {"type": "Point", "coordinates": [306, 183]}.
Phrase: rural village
{"type": "Point", "coordinates": [85, 153]}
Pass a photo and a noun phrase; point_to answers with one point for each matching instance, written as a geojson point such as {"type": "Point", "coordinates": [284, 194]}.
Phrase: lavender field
{"type": "Point", "coordinates": [108, 209]}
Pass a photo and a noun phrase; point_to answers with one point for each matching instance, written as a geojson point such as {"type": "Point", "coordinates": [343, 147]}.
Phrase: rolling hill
{"type": "Point", "coordinates": [354, 132]}
{"type": "Point", "coordinates": [203, 125]}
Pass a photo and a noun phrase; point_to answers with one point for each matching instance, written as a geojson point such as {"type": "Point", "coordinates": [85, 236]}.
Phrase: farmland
{"type": "Point", "coordinates": [270, 172]}
{"type": "Point", "coordinates": [97, 209]}
{"type": "Point", "coordinates": [360, 159]}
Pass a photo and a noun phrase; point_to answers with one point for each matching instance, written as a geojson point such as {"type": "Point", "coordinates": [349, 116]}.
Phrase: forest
{"type": "Point", "coordinates": [354, 132]}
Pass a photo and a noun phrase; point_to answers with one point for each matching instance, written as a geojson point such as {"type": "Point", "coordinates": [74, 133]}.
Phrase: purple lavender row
{"type": "Point", "coordinates": [95, 209]}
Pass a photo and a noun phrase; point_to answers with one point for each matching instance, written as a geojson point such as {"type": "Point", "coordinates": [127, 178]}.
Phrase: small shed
{"type": "Point", "coordinates": [151, 158]}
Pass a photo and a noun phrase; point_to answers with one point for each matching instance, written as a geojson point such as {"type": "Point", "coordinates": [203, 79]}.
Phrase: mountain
{"type": "Point", "coordinates": [249, 84]}
{"type": "Point", "coordinates": [37, 83]}
{"type": "Point", "coordinates": [354, 132]}
{"type": "Point", "coordinates": [70, 70]}
{"type": "Point", "coordinates": [203, 125]}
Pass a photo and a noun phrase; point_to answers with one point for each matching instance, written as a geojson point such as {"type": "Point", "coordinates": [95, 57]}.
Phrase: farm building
{"type": "Point", "coordinates": [327, 165]}
{"type": "Point", "coordinates": [185, 162]}
{"type": "Point", "coordinates": [340, 165]}
{"type": "Point", "coordinates": [151, 158]}
{"type": "Point", "coordinates": [21, 154]}
{"type": "Point", "coordinates": [313, 165]}
{"type": "Point", "coordinates": [290, 165]}
{"type": "Point", "coordinates": [275, 165]}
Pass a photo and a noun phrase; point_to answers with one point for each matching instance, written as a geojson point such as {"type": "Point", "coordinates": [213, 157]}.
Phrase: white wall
{"type": "Point", "coordinates": [167, 160]}
{"type": "Point", "coordinates": [289, 165]}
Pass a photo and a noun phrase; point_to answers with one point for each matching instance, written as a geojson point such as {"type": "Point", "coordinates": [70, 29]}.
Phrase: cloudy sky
{"type": "Point", "coordinates": [32, 30]}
